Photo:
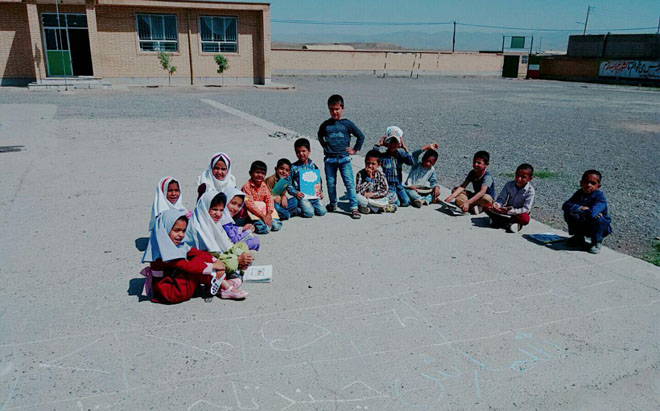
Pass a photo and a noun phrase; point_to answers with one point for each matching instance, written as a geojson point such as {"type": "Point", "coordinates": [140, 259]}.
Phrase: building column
{"type": "Point", "coordinates": [36, 45]}
{"type": "Point", "coordinates": [265, 27]}
{"type": "Point", "coordinates": [92, 31]}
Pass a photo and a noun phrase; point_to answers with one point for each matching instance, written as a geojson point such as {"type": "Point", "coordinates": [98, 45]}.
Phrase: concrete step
{"type": "Point", "coordinates": [72, 83]}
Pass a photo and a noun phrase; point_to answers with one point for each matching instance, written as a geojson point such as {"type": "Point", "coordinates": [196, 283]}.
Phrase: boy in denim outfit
{"type": "Point", "coordinates": [335, 137]}
{"type": "Point", "coordinates": [586, 213]}
{"type": "Point", "coordinates": [422, 174]}
{"type": "Point", "coordinates": [285, 207]}
{"type": "Point", "coordinates": [392, 161]}
{"type": "Point", "coordinates": [307, 207]}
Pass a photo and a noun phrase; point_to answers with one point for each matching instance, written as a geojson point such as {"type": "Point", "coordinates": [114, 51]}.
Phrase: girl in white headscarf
{"type": "Point", "coordinates": [235, 202]}
{"type": "Point", "coordinates": [168, 197]}
{"type": "Point", "coordinates": [217, 177]}
{"type": "Point", "coordinates": [206, 233]}
{"type": "Point", "coordinates": [176, 269]}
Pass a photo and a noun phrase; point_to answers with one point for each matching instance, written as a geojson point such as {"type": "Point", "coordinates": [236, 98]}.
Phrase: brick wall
{"type": "Point", "coordinates": [16, 57]}
{"type": "Point", "coordinates": [568, 68]}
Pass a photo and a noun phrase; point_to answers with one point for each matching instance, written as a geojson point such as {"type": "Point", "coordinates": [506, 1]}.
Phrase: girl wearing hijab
{"type": "Point", "coordinates": [168, 197]}
{"type": "Point", "coordinates": [217, 177]}
{"type": "Point", "coordinates": [235, 200]}
{"type": "Point", "coordinates": [206, 233]}
{"type": "Point", "coordinates": [176, 269]}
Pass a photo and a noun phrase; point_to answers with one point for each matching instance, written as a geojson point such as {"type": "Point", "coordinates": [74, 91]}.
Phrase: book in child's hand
{"type": "Point", "coordinates": [280, 186]}
{"type": "Point", "coordinates": [452, 208]}
{"type": "Point", "coordinates": [259, 274]}
{"type": "Point", "coordinates": [310, 183]}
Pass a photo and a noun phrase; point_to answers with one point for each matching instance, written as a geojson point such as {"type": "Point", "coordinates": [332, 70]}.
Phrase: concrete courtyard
{"type": "Point", "coordinates": [413, 310]}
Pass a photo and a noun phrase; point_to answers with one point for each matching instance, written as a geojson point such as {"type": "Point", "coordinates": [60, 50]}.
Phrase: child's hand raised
{"type": "Point", "coordinates": [434, 146]}
{"type": "Point", "coordinates": [247, 227]}
{"type": "Point", "coordinates": [381, 141]}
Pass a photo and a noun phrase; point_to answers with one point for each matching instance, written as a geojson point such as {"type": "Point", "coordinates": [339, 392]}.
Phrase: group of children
{"type": "Point", "coordinates": [211, 246]}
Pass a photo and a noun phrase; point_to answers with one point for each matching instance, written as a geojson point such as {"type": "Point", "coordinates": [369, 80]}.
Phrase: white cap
{"type": "Point", "coordinates": [393, 132]}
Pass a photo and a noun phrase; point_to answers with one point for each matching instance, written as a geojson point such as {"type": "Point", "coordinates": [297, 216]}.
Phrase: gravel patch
{"type": "Point", "coordinates": [560, 128]}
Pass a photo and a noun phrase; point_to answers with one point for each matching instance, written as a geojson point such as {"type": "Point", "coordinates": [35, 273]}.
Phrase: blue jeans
{"type": "Point", "coordinates": [343, 164]}
{"type": "Point", "coordinates": [310, 207]}
{"type": "Point", "coordinates": [402, 198]}
{"type": "Point", "coordinates": [259, 226]}
{"type": "Point", "coordinates": [414, 195]}
{"type": "Point", "coordinates": [291, 209]}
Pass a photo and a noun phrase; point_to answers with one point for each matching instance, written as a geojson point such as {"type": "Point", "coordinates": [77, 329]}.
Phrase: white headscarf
{"type": "Point", "coordinates": [213, 183]}
{"type": "Point", "coordinates": [160, 244]}
{"type": "Point", "coordinates": [205, 234]}
{"type": "Point", "coordinates": [161, 203]}
{"type": "Point", "coordinates": [231, 192]}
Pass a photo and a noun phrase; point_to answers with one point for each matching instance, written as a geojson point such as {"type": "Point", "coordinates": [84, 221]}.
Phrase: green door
{"type": "Point", "coordinates": [59, 62]}
{"type": "Point", "coordinates": [510, 68]}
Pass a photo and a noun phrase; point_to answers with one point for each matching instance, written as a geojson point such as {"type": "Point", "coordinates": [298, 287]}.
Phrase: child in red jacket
{"type": "Point", "coordinates": [176, 270]}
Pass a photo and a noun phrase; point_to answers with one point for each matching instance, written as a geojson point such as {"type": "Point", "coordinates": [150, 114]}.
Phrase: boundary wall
{"type": "Point", "coordinates": [387, 63]}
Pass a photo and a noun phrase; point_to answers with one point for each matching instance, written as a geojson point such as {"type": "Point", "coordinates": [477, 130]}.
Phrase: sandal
{"type": "Point", "coordinates": [236, 281]}
{"type": "Point", "coordinates": [355, 214]}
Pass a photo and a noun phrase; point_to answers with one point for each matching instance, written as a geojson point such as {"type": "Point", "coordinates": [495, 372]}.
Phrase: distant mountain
{"type": "Point", "coordinates": [465, 41]}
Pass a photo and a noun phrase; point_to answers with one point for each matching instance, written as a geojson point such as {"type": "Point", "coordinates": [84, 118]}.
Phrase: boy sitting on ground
{"type": "Point", "coordinates": [482, 183]}
{"type": "Point", "coordinates": [392, 161]}
{"type": "Point", "coordinates": [371, 187]}
{"type": "Point", "coordinates": [258, 202]}
{"type": "Point", "coordinates": [286, 207]}
{"type": "Point", "coordinates": [515, 201]}
{"type": "Point", "coordinates": [422, 177]}
{"type": "Point", "coordinates": [308, 207]}
{"type": "Point", "coordinates": [586, 213]}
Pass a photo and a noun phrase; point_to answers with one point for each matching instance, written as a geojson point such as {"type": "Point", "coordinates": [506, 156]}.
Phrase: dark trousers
{"type": "Point", "coordinates": [581, 224]}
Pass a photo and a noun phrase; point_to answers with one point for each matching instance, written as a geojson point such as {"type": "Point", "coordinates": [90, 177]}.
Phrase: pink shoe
{"type": "Point", "coordinates": [236, 281]}
{"type": "Point", "coordinates": [231, 294]}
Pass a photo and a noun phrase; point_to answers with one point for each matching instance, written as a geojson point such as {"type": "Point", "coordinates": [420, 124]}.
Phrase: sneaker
{"type": "Point", "coordinates": [417, 203]}
{"type": "Point", "coordinates": [236, 281]}
{"type": "Point", "coordinates": [595, 249]}
{"type": "Point", "coordinates": [364, 209]}
{"type": "Point", "coordinates": [509, 228]}
{"type": "Point", "coordinates": [331, 208]}
{"type": "Point", "coordinates": [576, 241]}
{"type": "Point", "coordinates": [390, 208]}
{"type": "Point", "coordinates": [355, 214]}
{"type": "Point", "coordinates": [476, 209]}
{"type": "Point", "coordinates": [232, 294]}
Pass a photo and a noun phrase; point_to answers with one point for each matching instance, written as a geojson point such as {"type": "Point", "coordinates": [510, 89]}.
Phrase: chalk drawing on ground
{"type": "Point", "coordinates": [291, 335]}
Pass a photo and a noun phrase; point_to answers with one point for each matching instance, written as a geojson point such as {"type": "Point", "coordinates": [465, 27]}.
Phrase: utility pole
{"type": "Point", "coordinates": [453, 40]}
{"type": "Point", "coordinates": [586, 21]}
{"type": "Point", "coordinates": [658, 32]}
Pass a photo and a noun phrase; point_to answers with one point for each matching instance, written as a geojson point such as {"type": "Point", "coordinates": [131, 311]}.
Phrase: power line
{"type": "Point", "coordinates": [442, 23]}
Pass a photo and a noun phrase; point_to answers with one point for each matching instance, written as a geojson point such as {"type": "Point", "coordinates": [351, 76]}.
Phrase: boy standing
{"type": "Point", "coordinates": [259, 201]}
{"type": "Point", "coordinates": [371, 187]}
{"type": "Point", "coordinates": [586, 213]}
{"type": "Point", "coordinates": [285, 207]}
{"type": "Point", "coordinates": [335, 137]}
{"type": "Point", "coordinates": [307, 207]}
{"type": "Point", "coordinates": [392, 161]}
{"type": "Point", "coordinates": [482, 183]}
{"type": "Point", "coordinates": [515, 201]}
{"type": "Point", "coordinates": [422, 177]}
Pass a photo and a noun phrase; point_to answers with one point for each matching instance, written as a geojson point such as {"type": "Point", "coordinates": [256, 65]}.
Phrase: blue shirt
{"type": "Point", "coordinates": [392, 165]}
{"type": "Point", "coordinates": [595, 201]}
{"type": "Point", "coordinates": [335, 136]}
{"type": "Point", "coordinates": [296, 169]}
{"type": "Point", "coordinates": [420, 176]}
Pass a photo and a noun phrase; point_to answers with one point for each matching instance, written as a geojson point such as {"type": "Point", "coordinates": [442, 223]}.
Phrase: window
{"type": "Point", "coordinates": [218, 34]}
{"type": "Point", "coordinates": [524, 59]}
{"type": "Point", "coordinates": [157, 32]}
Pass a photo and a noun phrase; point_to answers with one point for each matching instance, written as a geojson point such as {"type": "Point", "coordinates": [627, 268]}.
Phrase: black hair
{"type": "Point", "coordinates": [302, 142]}
{"type": "Point", "coordinates": [182, 218]}
{"type": "Point", "coordinates": [430, 153]}
{"type": "Point", "coordinates": [336, 99]}
{"type": "Point", "coordinates": [219, 198]}
{"type": "Point", "coordinates": [175, 182]}
{"type": "Point", "coordinates": [482, 155]}
{"type": "Point", "coordinates": [594, 172]}
{"type": "Point", "coordinates": [258, 165]}
{"type": "Point", "coordinates": [282, 161]}
{"type": "Point", "coordinates": [526, 167]}
{"type": "Point", "coordinates": [373, 154]}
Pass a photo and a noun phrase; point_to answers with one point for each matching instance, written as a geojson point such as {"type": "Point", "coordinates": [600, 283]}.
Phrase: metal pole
{"type": "Point", "coordinates": [586, 21]}
{"type": "Point", "coordinates": [453, 40]}
{"type": "Point", "coordinates": [59, 35]}
{"type": "Point", "coordinates": [529, 56]}
{"type": "Point", "coordinates": [539, 47]}
{"type": "Point", "coordinates": [503, 44]}
{"type": "Point", "coordinates": [658, 32]}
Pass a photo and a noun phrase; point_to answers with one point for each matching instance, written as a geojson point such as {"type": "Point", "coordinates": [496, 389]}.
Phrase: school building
{"type": "Point", "coordinates": [42, 42]}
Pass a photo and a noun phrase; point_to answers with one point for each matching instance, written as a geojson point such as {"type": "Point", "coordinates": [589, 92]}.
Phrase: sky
{"type": "Point", "coordinates": [525, 14]}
